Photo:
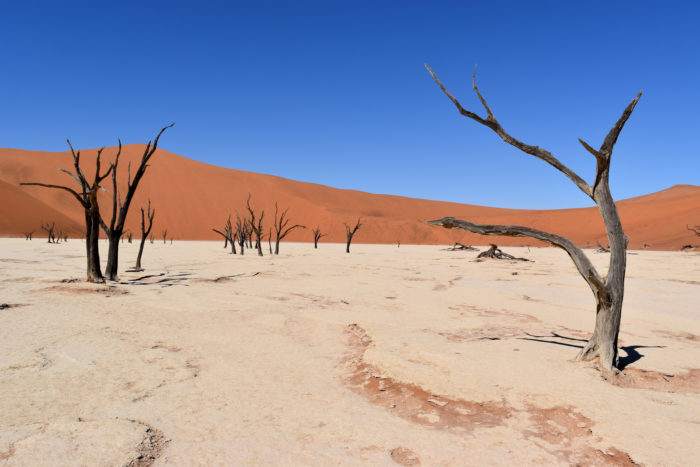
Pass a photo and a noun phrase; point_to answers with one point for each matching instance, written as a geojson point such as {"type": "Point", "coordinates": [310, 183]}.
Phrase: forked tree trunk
{"type": "Point", "coordinates": [350, 233]}
{"type": "Point", "coordinates": [608, 291]}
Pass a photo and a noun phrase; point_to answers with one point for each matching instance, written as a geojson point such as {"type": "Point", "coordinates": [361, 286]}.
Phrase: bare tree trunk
{"type": "Point", "coordinates": [144, 232]}
{"type": "Point", "coordinates": [281, 230]}
{"type": "Point", "coordinates": [92, 249]}
{"type": "Point", "coordinates": [350, 232]}
{"type": "Point", "coordinates": [607, 290]}
{"type": "Point", "coordinates": [317, 235]}
{"type": "Point", "coordinates": [120, 210]}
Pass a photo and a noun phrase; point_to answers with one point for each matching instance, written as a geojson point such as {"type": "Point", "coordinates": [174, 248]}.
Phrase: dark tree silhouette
{"type": "Point", "coordinates": [28, 235]}
{"type": "Point", "coordinates": [50, 230]}
{"type": "Point", "coordinates": [228, 235]}
{"type": "Point", "coordinates": [695, 230]}
{"type": "Point", "coordinates": [165, 233]}
{"type": "Point", "coordinates": [120, 209]}
{"type": "Point", "coordinates": [281, 230]}
{"type": "Point", "coordinates": [350, 232]}
{"type": "Point", "coordinates": [317, 235]}
{"type": "Point", "coordinates": [144, 232]}
{"type": "Point", "coordinates": [241, 232]}
{"type": "Point", "coordinates": [255, 225]}
{"type": "Point", "coordinates": [87, 197]}
{"type": "Point", "coordinates": [607, 290]}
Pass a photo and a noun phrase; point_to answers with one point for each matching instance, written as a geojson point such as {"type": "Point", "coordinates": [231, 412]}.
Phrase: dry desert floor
{"type": "Point", "coordinates": [411, 356]}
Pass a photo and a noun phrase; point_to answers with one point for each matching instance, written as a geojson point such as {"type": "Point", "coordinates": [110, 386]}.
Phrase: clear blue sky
{"type": "Point", "coordinates": [336, 92]}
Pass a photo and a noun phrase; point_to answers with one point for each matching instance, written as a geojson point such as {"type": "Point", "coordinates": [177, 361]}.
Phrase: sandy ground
{"type": "Point", "coordinates": [411, 355]}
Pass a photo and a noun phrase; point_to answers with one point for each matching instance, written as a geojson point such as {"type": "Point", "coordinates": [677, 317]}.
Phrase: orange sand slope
{"type": "Point", "coordinates": [191, 198]}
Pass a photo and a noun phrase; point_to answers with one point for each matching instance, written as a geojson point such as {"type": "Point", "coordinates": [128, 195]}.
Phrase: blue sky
{"type": "Point", "coordinates": [336, 92]}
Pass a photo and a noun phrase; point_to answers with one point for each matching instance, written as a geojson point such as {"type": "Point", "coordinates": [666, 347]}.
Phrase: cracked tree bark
{"type": "Point", "coordinates": [608, 290]}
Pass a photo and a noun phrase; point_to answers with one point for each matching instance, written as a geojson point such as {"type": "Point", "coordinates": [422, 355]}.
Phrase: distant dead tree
{"type": "Point", "coordinates": [129, 236]}
{"type": "Point", "coordinates": [459, 246]}
{"type": "Point", "coordinates": [269, 240]}
{"type": "Point", "coordinates": [28, 235]}
{"type": "Point", "coordinates": [87, 197]}
{"type": "Point", "coordinates": [349, 232]}
{"type": "Point", "coordinates": [317, 235]}
{"type": "Point", "coordinates": [165, 233]}
{"type": "Point", "coordinates": [281, 230]}
{"type": "Point", "coordinates": [50, 231]}
{"type": "Point", "coordinates": [255, 225]}
{"type": "Point", "coordinates": [145, 231]}
{"type": "Point", "coordinates": [228, 235]}
{"type": "Point", "coordinates": [496, 253]}
{"type": "Point", "coordinates": [241, 232]}
{"type": "Point", "coordinates": [607, 290]}
{"type": "Point", "coordinates": [695, 230]}
{"type": "Point", "coordinates": [152, 239]}
{"type": "Point", "coordinates": [115, 229]}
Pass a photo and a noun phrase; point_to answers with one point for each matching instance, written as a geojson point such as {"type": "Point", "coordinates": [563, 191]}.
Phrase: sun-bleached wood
{"type": "Point", "coordinates": [608, 290]}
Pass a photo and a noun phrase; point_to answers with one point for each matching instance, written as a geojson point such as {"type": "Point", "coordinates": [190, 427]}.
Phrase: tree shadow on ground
{"type": "Point", "coordinates": [631, 350]}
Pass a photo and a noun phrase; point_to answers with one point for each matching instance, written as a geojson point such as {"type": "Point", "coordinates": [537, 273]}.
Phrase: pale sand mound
{"type": "Point", "coordinates": [406, 356]}
{"type": "Point", "coordinates": [191, 198]}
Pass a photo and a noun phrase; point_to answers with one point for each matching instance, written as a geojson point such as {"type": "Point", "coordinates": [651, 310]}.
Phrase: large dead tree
{"type": "Point", "coordinates": [144, 232]}
{"type": "Point", "coordinates": [317, 235]}
{"type": "Point", "coordinates": [281, 222]}
{"type": "Point", "coordinates": [349, 232]}
{"type": "Point", "coordinates": [87, 197]}
{"type": "Point", "coordinates": [120, 209]}
{"type": "Point", "coordinates": [608, 290]}
{"type": "Point", "coordinates": [255, 225]}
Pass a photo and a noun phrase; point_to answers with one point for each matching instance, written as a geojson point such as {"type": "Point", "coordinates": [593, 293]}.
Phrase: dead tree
{"type": "Point", "coordinates": [459, 246]}
{"type": "Point", "coordinates": [350, 232]}
{"type": "Point", "coordinates": [165, 233]}
{"type": "Point", "coordinates": [496, 253]}
{"type": "Point", "coordinates": [50, 231]}
{"type": "Point", "coordinates": [28, 235]}
{"type": "Point", "coordinates": [152, 239]}
{"type": "Point", "coordinates": [317, 235]}
{"type": "Point", "coordinates": [269, 241]}
{"type": "Point", "coordinates": [255, 225]}
{"type": "Point", "coordinates": [281, 229]}
{"type": "Point", "coordinates": [87, 197]}
{"type": "Point", "coordinates": [120, 209]}
{"type": "Point", "coordinates": [608, 291]}
{"type": "Point", "coordinates": [228, 235]}
{"type": "Point", "coordinates": [144, 232]}
{"type": "Point", "coordinates": [695, 230]}
{"type": "Point", "coordinates": [241, 232]}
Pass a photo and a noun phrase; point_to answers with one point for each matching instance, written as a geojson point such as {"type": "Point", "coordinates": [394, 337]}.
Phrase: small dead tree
{"type": "Point", "coordinates": [120, 209]}
{"type": "Point", "coordinates": [165, 233]}
{"type": "Point", "coordinates": [145, 231]}
{"type": "Point", "coordinates": [87, 197]}
{"type": "Point", "coordinates": [317, 235]}
{"type": "Point", "coordinates": [50, 231]}
{"type": "Point", "coordinates": [269, 240]}
{"type": "Point", "coordinates": [349, 232]}
{"type": "Point", "coordinates": [695, 230]}
{"type": "Point", "coordinates": [496, 253]}
{"type": "Point", "coordinates": [228, 235]}
{"type": "Point", "coordinates": [281, 229]}
{"type": "Point", "coordinates": [608, 291]}
{"type": "Point", "coordinates": [241, 232]}
{"type": "Point", "coordinates": [28, 235]}
{"type": "Point", "coordinates": [129, 236]}
{"type": "Point", "coordinates": [152, 239]}
{"type": "Point", "coordinates": [255, 225]}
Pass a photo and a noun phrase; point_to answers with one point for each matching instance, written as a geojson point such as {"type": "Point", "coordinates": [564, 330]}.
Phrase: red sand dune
{"type": "Point", "coordinates": [191, 198]}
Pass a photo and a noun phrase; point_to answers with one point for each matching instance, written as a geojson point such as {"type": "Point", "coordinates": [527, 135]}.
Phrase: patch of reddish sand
{"type": "Point", "coordinates": [191, 198]}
